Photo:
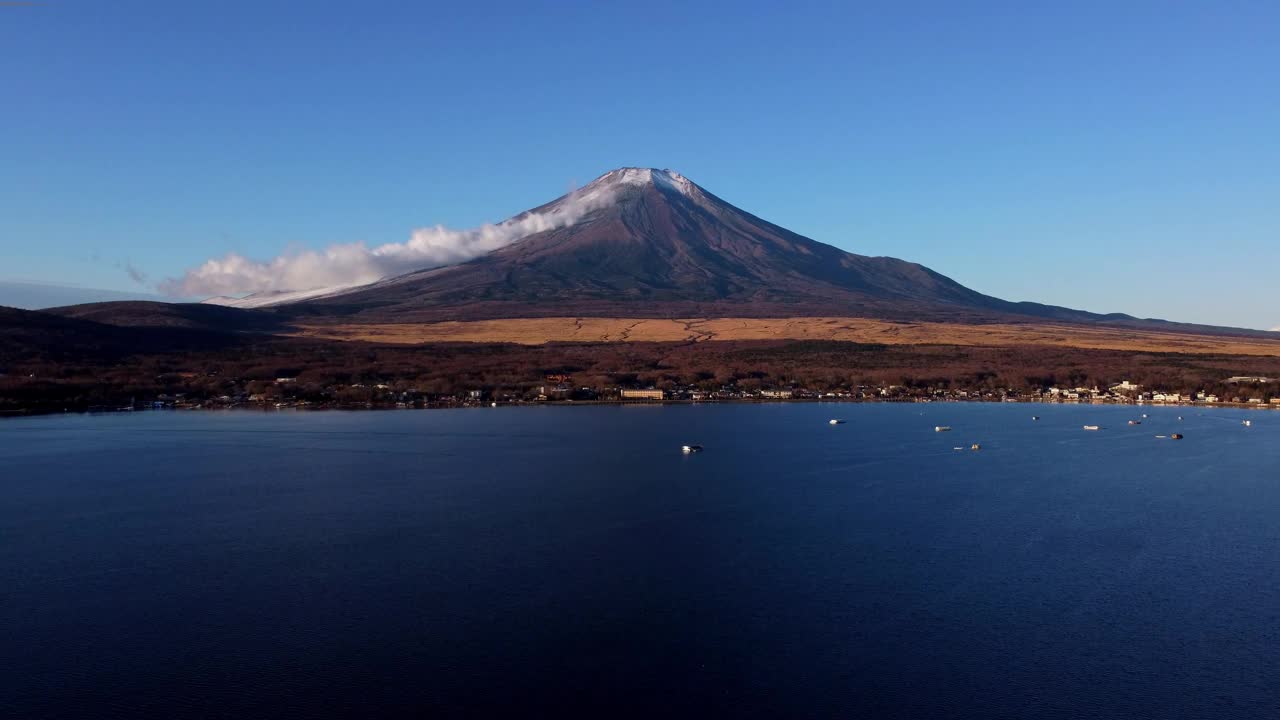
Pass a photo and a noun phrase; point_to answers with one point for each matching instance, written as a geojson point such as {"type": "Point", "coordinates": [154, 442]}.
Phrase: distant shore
{"type": "Point", "coordinates": [361, 407]}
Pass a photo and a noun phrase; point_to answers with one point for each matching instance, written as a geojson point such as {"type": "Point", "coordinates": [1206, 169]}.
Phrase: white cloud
{"type": "Point", "coordinates": [356, 264]}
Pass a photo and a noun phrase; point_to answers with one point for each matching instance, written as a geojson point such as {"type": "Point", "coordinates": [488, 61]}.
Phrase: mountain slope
{"type": "Point", "coordinates": [658, 244]}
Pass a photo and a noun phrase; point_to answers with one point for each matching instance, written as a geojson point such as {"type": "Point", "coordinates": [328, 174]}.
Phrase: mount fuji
{"type": "Point", "coordinates": [643, 242]}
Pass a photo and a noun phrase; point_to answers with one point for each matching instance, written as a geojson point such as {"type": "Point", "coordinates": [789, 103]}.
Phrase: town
{"type": "Point", "coordinates": [291, 373]}
{"type": "Point", "coordinates": [289, 393]}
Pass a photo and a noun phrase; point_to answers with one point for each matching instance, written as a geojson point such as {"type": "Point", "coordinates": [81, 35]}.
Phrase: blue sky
{"type": "Point", "coordinates": [1083, 154]}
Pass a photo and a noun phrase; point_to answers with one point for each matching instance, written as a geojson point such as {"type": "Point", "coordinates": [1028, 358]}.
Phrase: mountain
{"type": "Point", "coordinates": [634, 243]}
{"type": "Point", "coordinates": [652, 243]}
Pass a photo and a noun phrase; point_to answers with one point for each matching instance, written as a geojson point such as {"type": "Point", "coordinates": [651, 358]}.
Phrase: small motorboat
{"type": "Point", "coordinates": [1135, 422]}
{"type": "Point", "coordinates": [1247, 423]}
{"type": "Point", "coordinates": [942, 428]}
{"type": "Point", "coordinates": [688, 449]}
{"type": "Point", "coordinates": [1092, 427]}
{"type": "Point", "coordinates": [835, 421]}
{"type": "Point", "coordinates": [1176, 436]}
{"type": "Point", "coordinates": [1035, 417]}
{"type": "Point", "coordinates": [975, 446]}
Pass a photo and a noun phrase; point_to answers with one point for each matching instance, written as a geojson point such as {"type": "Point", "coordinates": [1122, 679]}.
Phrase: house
{"type": "Point", "coordinates": [776, 394]}
{"type": "Point", "coordinates": [643, 395]}
{"type": "Point", "coordinates": [1125, 386]}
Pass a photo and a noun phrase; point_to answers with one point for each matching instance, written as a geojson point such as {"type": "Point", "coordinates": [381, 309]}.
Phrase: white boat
{"type": "Point", "coordinates": [1092, 427]}
{"type": "Point", "coordinates": [1247, 423]}
{"type": "Point", "coordinates": [1035, 417]}
{"type": "Point", "coordinates": [835, 421]}
{"type": "Point", "coordinates": [942, 428]}
{"type": "Point", "coordinates": [691, 449]}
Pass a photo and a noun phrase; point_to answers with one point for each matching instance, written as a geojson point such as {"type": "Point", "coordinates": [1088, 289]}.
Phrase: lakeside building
{"type": "Point", "coordinates": [643, 395]}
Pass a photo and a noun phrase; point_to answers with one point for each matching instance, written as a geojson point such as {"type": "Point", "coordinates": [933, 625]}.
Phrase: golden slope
{"type": "Point", "coordinates": [536, 331]}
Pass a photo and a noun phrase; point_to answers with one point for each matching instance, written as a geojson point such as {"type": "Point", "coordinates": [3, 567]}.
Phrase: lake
{"type": "Point", "coordinates": [537, 561]}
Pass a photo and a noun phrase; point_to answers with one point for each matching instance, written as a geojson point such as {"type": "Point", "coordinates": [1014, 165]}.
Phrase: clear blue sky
{"type": "Point", "coordinates": [1108, 156]}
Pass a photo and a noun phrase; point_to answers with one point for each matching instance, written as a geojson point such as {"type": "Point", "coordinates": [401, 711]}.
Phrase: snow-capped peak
{"type": "Point", "coordinates": [640, 177]}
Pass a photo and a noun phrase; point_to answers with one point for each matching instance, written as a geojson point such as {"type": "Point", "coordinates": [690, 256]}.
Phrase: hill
{"type": "Point", "coordinates": [29, 336]}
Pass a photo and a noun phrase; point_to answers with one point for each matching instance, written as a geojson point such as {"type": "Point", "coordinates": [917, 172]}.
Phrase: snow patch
{"type": "Point", "coordinates": [277, 297]}
{"type": "Point", "coordinates": [641, 177]}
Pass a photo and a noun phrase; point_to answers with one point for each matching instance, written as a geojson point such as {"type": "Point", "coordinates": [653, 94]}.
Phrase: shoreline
{"type": "Point", "coordinates": [381, 407]}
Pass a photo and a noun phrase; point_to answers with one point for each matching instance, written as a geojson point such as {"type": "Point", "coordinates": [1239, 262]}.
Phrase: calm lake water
{"type": "Point", "coordinates": [529, 561]}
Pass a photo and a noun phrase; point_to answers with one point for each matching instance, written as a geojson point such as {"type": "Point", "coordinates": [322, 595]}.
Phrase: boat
{"type": "Point", "coordinates": [835, 421]}
{"type": "Point", "coordinates": [1035, 417]}
{"type": "Point", "coordinates": [1135, 422]}
{"type": "Point", "coordinates": [691, 449]}
{"type": "Point", "coordinates": [942, 428]}
{"type": "Point", "coordinates": [1092, 427]}
{"type": "Point", "coordinates": [1247, 423]}
{"type": "Point", "coordinates": [1176, 436]}
{"type": "Point", "coordinates": [975, 446]}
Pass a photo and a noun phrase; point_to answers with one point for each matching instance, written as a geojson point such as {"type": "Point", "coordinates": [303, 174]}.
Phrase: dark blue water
{"type": "Point", "coordinates": [540, 561]}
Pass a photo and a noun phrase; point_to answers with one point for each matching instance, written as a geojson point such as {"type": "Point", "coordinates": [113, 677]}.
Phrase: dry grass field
{"type": "Point", "coordinates": [537, 331]}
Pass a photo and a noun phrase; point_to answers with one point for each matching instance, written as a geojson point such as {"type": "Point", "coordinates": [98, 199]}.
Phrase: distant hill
{"type": "Point", "coordinates": [195, 316]}
{"type": "Point", "coordinates": [29, 335]}
{"type": "Point", "coordinates": [35, 296]}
